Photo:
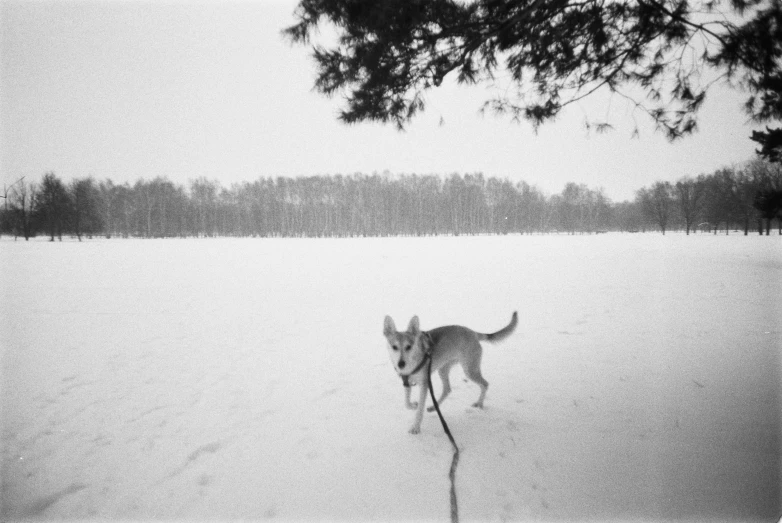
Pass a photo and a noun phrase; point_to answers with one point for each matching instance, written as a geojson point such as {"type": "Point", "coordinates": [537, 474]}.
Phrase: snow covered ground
{"type": "Point", "coordinates": [248, 379]}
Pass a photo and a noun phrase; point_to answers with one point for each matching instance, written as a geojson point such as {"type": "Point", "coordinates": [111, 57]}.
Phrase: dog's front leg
{"type": "Point", "coordinates": [419, 414]}
{"type": "Point", "coordinates": [411, 406]}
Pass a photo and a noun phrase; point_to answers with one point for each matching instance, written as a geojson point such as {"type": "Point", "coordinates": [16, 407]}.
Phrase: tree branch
{"type": "Point", "coordinates": [8, 188]}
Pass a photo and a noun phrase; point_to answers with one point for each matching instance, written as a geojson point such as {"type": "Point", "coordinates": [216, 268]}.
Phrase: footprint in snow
{"type": "Point", "coordinates": [37, 507]}
{"type": "Point", "coordinates": [209, 448]}
{"type": "Point", "coordinates": [205, 480]}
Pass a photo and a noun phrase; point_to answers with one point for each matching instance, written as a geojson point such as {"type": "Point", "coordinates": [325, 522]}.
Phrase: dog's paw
{"type": "Point", "coordinates": [412, 406]}
{"type": "Point", "coordinates": [430, 409]}
{"type": "Point", "coordinates": [478, 405]}
{"type": "Point", "coordinates": [415, 430]}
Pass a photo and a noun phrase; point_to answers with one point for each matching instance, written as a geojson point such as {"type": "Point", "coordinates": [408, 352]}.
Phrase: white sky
{"type": "Point", "coordinates": [130, 90]}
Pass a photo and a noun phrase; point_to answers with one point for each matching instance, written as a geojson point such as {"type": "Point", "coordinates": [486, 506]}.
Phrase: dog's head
{"type": "Point", "coordinates": [406, 349]}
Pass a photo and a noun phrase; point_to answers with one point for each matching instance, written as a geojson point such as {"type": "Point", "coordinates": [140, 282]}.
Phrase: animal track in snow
{"type": "Point", "coordinates": [209, 448]}
{"type": "Point", "coordinates": [38, 506]}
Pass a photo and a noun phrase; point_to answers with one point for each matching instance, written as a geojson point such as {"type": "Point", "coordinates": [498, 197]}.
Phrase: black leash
{"type": "Point", "coordinates": [455, 460]}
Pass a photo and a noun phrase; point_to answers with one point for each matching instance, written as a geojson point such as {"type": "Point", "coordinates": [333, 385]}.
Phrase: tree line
{"type": "Point", "coordinates": [746, 197]}
{"type": "Point", "coordinates": [740, 198]}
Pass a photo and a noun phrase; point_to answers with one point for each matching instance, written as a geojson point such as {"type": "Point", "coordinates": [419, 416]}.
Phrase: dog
{"type": "Point", "coordinates": [412, 350]}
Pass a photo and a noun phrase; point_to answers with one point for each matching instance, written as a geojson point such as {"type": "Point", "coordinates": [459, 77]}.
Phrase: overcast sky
{"type": "Point", "coordinates": [128, 90]}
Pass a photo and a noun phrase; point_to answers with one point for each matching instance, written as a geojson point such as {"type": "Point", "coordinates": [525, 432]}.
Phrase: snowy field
{"type": "Point", "coordinates": [223, 379]}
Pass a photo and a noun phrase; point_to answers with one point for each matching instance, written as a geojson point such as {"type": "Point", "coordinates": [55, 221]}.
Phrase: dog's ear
{"type": "Point", "coordinates": [388, 326]}
{"type": "Point", "coordinates": [413, 327]}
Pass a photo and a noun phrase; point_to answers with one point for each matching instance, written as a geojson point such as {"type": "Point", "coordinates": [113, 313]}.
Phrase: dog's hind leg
{"type": "Point", "coordinates": [444, 373]}
{"type": "Point", "coordinates": [473, 371]}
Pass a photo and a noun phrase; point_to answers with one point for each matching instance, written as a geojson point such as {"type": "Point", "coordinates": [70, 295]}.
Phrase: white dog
{"type": "Point", "coordinates": [412, 350]}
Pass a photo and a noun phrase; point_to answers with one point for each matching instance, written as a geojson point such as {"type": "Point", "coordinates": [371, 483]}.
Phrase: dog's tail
{"type": "Point", "coordinates": [502, 333]}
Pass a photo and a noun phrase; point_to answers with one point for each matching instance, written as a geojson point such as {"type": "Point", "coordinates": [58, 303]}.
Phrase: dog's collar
{"type": "Point", "coordinates": [406, 377]}
{"type": "Point", "coordinates": [427, 356]}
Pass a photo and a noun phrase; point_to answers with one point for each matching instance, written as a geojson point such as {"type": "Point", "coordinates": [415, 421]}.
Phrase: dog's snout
{"type": "Point", "coordinates": [401, 364]}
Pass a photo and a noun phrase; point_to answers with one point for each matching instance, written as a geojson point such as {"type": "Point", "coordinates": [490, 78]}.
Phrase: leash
{"type": "Point", "coordinates": [437, 408]}
{"type": "Point", "coordinates": [455, 460]}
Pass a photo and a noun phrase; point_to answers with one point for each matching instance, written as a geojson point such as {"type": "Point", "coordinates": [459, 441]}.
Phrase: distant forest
{"type": "Point", "coordinates": [745, 198]}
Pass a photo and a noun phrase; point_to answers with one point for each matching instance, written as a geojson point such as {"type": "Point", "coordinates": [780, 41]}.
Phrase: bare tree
{"type": "Point", "coordinates": [108, 194]}
{"type": "Point", "coordinates": [720, 197]}
{"type": "Point", "coordinates": [768, 197]}
{"type": "Point", "coordinates": [85, 214]}
{"type": "Point", "coordinates": [204, 192]}
{"type": "Point", "coordinates": [53, 202]}
{"type": "Point", "coordinates": [6, 192]}
{"type": "Point", "coordinates": [569, 207]}
{"type": "Point", "coordinates": [748, 182]}
{"type": "Point", "coordinates": [23, 200]}
{"type": "Point", "coordinates": [657, 203]}
{"type": "Point", "coordinates": [689, 196]}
